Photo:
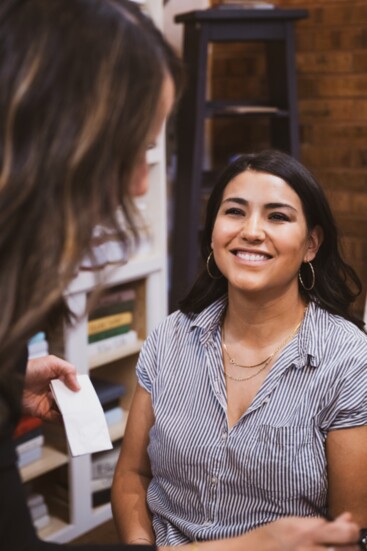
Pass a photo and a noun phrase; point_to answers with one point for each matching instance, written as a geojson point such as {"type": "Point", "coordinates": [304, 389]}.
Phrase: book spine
{"type": "Point", "coordinates": [114, 415]}
{"type": "Point", "coordinates": [36, 442]}
{"type": "Point", "coordinates": [109, 322]}
{"type": "Point", "coordinates": [112, 309]}
{"type": "Point", "coordinates": [122, 295]}
{"type": "Point", "coordinates": [111, 343]}
{"type": "Point", "coordinates": [29, 456]}
{"type": "Point", "coordinates": [26, 424]}
{"type": "Point", "coordinates": [41, 522]}
{"type": "Point", "coordinates": [110, 333]}
{"type": "Point", "coordinates": [104, 467]}
{"type": "Point", "coordinates": [29, 435]}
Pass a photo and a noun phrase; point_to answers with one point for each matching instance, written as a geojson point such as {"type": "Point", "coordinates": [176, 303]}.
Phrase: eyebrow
{"type": "Point", "coordinates": [269, 206]}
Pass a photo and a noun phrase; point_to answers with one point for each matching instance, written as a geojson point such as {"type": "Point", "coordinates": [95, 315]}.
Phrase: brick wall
{"type": "Point", "coordinates": [331, 53]}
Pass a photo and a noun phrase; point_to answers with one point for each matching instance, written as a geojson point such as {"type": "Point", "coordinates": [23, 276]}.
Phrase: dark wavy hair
{"type": "Point", "coordinates": [80, 82]}
{"type": "Point", "coordinates": [337, 285]}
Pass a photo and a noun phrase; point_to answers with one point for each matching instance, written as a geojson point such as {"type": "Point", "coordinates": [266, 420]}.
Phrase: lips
{"type": "Point", "coordinates": [251, 256]}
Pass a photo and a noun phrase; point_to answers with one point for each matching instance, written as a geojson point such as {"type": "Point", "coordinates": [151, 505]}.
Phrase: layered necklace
{"type": "Point", "coordinates": [261, 365]}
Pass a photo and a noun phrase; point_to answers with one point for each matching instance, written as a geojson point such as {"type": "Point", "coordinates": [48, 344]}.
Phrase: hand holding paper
{"type": "Point", "coordinates": [83, 416]}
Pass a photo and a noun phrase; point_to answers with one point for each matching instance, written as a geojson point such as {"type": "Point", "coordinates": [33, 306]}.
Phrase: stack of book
{"type": "Point", "coordinates": [110, 323]}
{"type": "Point", "coordinates": [109, 395]}
{"type": "Point", "coordinates": [29, 440]}
{"type": "Point", "coordinates": [103, 468]}
{"type": "Point", "coordinates": [38, 346]}
{"type": "Point", "coordinates": [38, 510]}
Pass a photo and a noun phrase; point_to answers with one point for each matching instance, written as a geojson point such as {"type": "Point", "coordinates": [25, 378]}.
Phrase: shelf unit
{"type": "Point", "coordinates": [275, 29]}
{"type": "Point", "coordinates": [146, 272]}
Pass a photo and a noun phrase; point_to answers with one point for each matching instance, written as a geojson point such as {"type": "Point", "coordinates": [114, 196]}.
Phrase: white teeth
{"type": "Point", "coordinates": [251, 256]}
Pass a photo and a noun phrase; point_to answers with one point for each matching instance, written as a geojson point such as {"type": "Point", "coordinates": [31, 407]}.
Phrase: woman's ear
{"type": "Point", "coordinates": [315, 240]}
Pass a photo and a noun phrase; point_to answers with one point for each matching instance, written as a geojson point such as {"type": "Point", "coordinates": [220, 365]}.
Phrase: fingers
{"type": "Point", "coordinates": [61, 369]}
{"type": "Point", "coordinates": [342, 531]}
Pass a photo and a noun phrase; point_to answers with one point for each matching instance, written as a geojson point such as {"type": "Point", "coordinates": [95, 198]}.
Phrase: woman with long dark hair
{"type": "Point", "coordinates": [251, 403]}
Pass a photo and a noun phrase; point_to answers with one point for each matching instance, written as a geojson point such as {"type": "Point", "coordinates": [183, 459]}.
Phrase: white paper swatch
{"type": "Point", "coordinates": [83, 416]}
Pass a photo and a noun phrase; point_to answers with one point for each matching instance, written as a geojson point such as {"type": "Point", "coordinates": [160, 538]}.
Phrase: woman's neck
{"type": "Point", "coordinates": [262, 321]}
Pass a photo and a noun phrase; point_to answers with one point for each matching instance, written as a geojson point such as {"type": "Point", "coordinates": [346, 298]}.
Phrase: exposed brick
{"type": "Point", "coordinates": [360, 62]}
{"type": "Point", "coordinates": [342, 86]}
{"type": "Point", "coordinates": [335, 134]}
{"type": "Point", "coordinates": [333, 109]}
{"type": "Point", "coordinates": [331, 56]}
{"type": "Point", "coordinates": [321, 62]}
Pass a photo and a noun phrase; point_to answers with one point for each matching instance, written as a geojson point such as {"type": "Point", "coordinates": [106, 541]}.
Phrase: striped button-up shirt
{"type": "Point", "coordinates": [210, 482]}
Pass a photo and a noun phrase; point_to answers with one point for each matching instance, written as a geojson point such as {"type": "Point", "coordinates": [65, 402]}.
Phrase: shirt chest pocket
{"type": "Point", "coordinates": [281, 461]}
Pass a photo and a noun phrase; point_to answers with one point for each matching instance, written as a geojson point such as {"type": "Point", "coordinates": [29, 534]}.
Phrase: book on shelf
{"type": "Point", "coordinates": [112, 302]}
{"type": "Point", "coordinates": [113, 315]}
{"type": "Point", "coordinates": [25, 425]}
{"type": "Point", "coordinates": [107, 391]}
{"type": "Point", "coordinates": [35, 442]}
{"type": "Point", "coordinates": [114, 415]}
{"type": "Point", "coordinates": [28, 439]}
{"type": "Point", "coordinates": [111, 343]}
{"type": "Point", "coordinates": [120, 330]}
{"type": "Point", "coordinates": [38, 510]}
{"type": "Point", "coordinates": [104, 463]}
{"type": "Point", "coordinates": [106, 323]}
{"type": "Point", "coordinates": [42, 522]}
{"type": "Point", "coordinates": [29, 456]}
{"type": "Point", "coordinates": [38, 346]}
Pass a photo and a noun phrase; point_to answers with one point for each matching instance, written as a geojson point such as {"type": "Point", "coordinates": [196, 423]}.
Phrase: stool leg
{"type": "Point", "coordinates": [282, 79]}
{"type": "Point", "coordinates": [190, 147]}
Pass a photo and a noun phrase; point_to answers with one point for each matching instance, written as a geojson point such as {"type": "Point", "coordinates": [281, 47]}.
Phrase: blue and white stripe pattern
{"type": "Point", "coordinates": [210, 482]}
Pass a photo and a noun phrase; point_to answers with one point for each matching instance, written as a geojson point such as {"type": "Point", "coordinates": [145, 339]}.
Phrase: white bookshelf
{"type": "Point", "coordinates": [146, 272]}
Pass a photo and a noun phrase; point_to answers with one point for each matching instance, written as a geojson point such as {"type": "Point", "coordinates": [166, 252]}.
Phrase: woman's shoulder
{"type": "Point", "coordinates": [337, 331]}
{"type": "Point", "coordinates": [208, 316]}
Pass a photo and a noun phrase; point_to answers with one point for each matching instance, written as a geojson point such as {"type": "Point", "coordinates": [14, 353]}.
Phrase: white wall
{"type": "Point", "coordinates": [172, 30]}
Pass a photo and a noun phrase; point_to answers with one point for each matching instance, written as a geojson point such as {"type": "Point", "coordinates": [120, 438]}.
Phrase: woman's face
{"type": "Point", "coordinates": [260, 236]}
{"type": "Point", "coordinates": [139, 180]}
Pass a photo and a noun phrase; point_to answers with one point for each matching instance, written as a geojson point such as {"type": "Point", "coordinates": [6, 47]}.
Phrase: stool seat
{"type": "Point", "coordinates": [275, 28]}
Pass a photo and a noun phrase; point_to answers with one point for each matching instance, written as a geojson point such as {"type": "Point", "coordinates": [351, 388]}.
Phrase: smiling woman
{"type": "Point", "coordinates": [253, 393]}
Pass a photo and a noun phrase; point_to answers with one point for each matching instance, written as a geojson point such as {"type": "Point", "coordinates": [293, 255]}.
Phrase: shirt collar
{"type": "Point", "coordinates": [309, 342]}
{"type": "Point", "coordinates": [309, 349]}
{"type": "Point", "coordinates": [210, 318]}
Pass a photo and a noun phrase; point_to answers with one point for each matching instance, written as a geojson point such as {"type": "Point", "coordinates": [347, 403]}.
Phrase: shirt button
{"type": "Point", "coordinates": [208, 522]}
{"type": "Point", "coordinates": [224, 435]}
{"type": "Point", "coordinates": [214, 479]}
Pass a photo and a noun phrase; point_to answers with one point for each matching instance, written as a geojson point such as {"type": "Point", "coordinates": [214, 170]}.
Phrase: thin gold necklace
{"type": "Point", "coordinates": [265, 362]}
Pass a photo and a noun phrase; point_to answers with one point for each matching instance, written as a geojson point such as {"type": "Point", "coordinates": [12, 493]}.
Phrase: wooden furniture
{"type": "Point", "coordinates": [146, 273]}
{"type": "Point", "coordinates": [273, 27]}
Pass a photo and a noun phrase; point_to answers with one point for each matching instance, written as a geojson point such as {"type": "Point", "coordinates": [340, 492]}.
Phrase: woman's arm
{"type": "Point", "coordinates": [288, 534]}
{"type": "Point", "coordinates": [133, 474]}
{"type": "Point", "coordinates": [346, 452]}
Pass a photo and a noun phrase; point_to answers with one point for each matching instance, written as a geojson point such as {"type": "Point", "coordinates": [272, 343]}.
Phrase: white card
{"type": "Point", "coordinates": [83, 416]}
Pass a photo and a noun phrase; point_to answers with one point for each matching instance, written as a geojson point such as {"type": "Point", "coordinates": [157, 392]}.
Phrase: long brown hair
{"type": "Point", "coordinates": [80, 82]}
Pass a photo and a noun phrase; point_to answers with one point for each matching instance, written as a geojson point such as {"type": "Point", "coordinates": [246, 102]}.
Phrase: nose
{"type": "Point", "coordinates": [139, 178]}
{"type": "Point", "coordinates": [252, 229]}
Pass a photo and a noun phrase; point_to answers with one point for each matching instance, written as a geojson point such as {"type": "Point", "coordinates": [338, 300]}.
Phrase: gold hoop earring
{"type": "Point", "coordinates": [313, 278]}
{"type": "Point", "coordinates": [208, 267]}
